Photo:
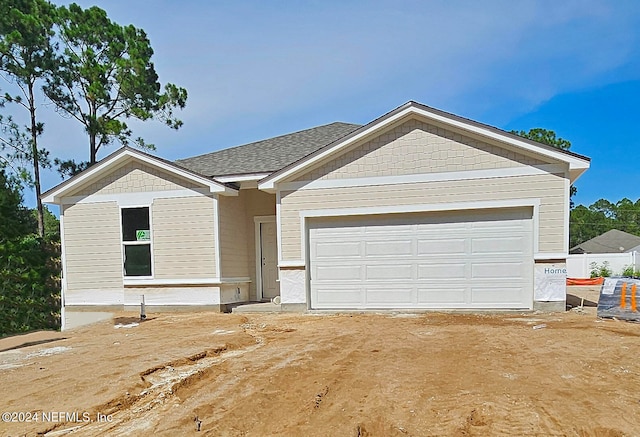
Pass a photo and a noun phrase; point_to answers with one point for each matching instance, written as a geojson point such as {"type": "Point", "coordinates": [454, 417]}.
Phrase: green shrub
{"type": "Point", "coordinates": [29, 285]}
{"type": "Point", "coordinates": [29, 266]}
{"type": "Point", "coordinates": [630, 271]}
{"type": "Point", "coordinates": [598, 270]}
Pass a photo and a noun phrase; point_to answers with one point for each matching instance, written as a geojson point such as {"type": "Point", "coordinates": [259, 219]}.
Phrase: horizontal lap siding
{"type": "Point", "coordinates": [549, 188]}
{"type": "Point", "coordinates": [233, 238]}
{"type": "Point", "coordinates": [183, 238]}
{"type": "Point", "coordinates": [92, 247]}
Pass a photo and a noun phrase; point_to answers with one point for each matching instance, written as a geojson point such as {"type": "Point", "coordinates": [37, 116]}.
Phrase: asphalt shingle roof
{"type": "Point", "coordinates": [269, 155]}
{"type": "Point", "coordinates": [613, 241]}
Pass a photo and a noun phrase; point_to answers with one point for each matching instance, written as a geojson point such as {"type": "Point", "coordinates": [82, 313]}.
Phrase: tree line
{"type": "Point", "coordinates": [92, 71]}
{"type": "Point", "coordinates": [585, 222]}
{"type": "Point", "coordinates": [602, 216]}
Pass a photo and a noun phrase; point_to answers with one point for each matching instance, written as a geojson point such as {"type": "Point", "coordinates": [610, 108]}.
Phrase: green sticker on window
{"type": "Point", "coordinates": [143, 235]}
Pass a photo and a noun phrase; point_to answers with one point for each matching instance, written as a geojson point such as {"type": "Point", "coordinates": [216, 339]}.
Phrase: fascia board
{"type": "Point", "coordinates": [54, 195]}
{"type": "Point", "coordinates": [575, 163]}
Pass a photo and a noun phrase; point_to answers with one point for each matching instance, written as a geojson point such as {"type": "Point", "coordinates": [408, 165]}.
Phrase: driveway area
{"type": "Point", "coordinates": [433, 374]}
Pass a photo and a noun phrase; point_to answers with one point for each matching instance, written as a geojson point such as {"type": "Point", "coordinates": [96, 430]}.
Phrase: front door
{"type": "Point", "coordinates": [269, 260]}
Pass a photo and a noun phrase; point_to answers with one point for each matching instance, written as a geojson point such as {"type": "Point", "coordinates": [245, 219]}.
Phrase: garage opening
{"type": "Point", "coordinates": [471, 259]}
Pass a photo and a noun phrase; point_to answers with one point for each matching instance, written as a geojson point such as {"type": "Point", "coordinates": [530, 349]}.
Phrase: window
{"type": "Point", "coordinates": [136, 241]}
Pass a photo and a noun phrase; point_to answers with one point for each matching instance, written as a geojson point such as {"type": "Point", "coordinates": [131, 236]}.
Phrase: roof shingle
{"type": "Point", "coordinates": [269, 155]}
{"type": "Point", "coordinates": [612, 241]}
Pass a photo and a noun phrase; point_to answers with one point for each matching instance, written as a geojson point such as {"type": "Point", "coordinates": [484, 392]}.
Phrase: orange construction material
{"type": "Point", "coordinates": [585, 281]}
{"type": "Point", "coordinates": [623, 295]}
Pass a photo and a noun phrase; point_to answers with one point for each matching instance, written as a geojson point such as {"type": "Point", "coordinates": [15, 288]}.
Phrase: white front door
{"type": "Point", "coordinates": [269, 260]}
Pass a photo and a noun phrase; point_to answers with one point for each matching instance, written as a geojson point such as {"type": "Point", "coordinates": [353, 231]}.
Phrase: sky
{"type": "Point", "coordinates": [258, 69]}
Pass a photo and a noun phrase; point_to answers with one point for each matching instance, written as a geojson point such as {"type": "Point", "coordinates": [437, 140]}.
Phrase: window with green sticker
{"type": "Point", "coordinates": [136, 242]}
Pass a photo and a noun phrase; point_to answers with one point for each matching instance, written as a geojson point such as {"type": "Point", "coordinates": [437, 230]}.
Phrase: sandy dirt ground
{"type": "Point", "coordinates": [433, 374]}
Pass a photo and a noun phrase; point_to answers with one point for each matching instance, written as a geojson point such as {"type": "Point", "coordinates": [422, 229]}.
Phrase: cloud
{"type": "Point", "coordinates": [256, 68]}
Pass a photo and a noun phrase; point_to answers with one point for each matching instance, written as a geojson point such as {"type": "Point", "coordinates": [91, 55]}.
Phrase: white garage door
{"type": "Point", "coordinates": [473, 259]}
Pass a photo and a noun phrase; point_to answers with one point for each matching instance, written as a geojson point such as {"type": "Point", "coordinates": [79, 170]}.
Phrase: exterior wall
{"type": "Point", "coordinates": [233, 238]}
{"type": "Point", "coordinates": [135, 177]}
{"type": "Point", "coordinates": [173, 295]}
{"type": "Point", "coordinates": [415, 147]}
{"type": "Point", "coordinates": [75, 319]}
{"type": "Point", "coordinates": [183, 242]}
{"type": "Point", "coordinates": [257, 203]}
{"type": "Point", "coordinates": [183, 234]}
{"type": "Point", "coordinates": [93, 255]}
{"type": "Point", "coordinates": [548, 187]}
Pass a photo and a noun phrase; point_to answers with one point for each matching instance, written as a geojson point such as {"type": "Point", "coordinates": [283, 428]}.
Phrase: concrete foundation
{"type": "Point", "coordinates": [550, 307]}
{"type": "Point", "coordinates": [294, 307]}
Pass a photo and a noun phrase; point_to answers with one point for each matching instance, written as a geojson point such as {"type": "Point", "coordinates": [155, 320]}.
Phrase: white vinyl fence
{"type": "Point", "coordinates": [579, 266]}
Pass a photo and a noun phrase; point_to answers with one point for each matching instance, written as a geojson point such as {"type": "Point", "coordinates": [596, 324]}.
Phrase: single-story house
{"type": "Point", "coordinates": [612, 241]}
{"type": "Point", "coordinates": [418, 209]}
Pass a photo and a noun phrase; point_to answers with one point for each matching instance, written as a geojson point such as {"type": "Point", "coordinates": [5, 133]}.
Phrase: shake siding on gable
{"type": "Point", "coordinates": [183, 232]}
{"type": "Point", "coordinates": [233, 238]}
{"type": "Point", "coordinates": [135, 177]}
{"type": "Point", "coordinates": [92, 247]}
{"type": "Point", "coordinates": [415, 147]}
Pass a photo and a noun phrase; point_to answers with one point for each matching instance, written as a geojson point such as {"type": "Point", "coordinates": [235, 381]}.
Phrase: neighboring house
{"type": "Point", "coordinates": [616, 250]}
{"type": "Point", "coordinates": [612, 241]}
{"type": "Point", "coordinates": [419, 209]}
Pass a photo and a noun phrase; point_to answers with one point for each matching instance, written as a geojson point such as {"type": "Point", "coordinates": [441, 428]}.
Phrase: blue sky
{"type": "Point", "coordinates": [257, 69]}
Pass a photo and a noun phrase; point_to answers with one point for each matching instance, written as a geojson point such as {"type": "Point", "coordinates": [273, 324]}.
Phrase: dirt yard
{"type": "Point", "coordinates": [433, 374]}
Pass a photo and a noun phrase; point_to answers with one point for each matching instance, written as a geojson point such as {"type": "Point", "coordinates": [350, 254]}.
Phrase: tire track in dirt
{"type": "Point", "coordinates": [132, 412]}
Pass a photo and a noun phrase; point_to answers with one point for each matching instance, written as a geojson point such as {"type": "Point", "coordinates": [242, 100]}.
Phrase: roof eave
{"type": "Point", "coordinates": [55, 194]}
{"type": "Point", "coordinates": [577, 164]}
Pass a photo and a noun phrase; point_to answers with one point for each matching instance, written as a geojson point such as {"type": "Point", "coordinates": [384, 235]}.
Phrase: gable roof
{"type": "Point", "coordinates": [120, 156]}
{"type": "Point", "coordinates": [269, 155]}
{"type": "Point", "coordinates": [578, 164]}
{"type": "Point", "coordinates": [612, 241]}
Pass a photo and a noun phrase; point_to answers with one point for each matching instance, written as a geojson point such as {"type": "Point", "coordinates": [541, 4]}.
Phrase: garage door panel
{"type": "Point", "coordinates": [497, 245]}
{"type": "Point", "coordinates": [333, 249]}
{"type": "Point", "coordinates": [498, 270]}
{"type": "Point", "coordinates": [442, 295]}
{"type": "Point", "coordinates": [473, 259]}
{"type": "Point", "coordinates": [338, 273]}
{"type": "Point", "coordinates": [389, 272]}
{"type": "Point", "coordinates": [436, 224]}
{"type": "Point", "coordinates": [441, 247]}
{"type": "Point", "coordinates": [492, 294]}
{"type": "Point", "coordinates": [443, 271]}
{"type": "Point", "coordinates": [397, 229]}
{"type": "Point", "coordinates": [340, 296]}
{"type": "Point", "coordinates": [388, 248]}
{"type": "Point", "coordinates": [383, 297]}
